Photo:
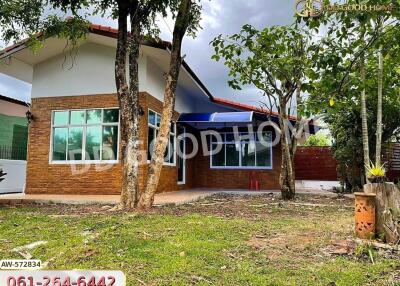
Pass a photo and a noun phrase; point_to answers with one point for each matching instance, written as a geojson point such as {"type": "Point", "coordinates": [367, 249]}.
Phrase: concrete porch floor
{"type": "Point", "coordinates": [180, 197]}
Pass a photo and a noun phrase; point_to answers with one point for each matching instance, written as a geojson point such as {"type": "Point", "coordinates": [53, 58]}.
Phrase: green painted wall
{"type": "Point", "coordinates": [13, 136]}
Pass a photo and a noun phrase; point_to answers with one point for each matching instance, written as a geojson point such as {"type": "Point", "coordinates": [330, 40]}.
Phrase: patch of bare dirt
{"type": "Point", "coordinates": [223, 205]}
{"type": "Point", "coordinates": [258, 207]}
{"type": "Point", "coordinates": [345, 247]}
{"type": "Point", "coordinates": [297, 242]}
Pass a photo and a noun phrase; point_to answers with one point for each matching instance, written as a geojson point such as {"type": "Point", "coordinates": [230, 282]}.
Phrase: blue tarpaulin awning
{"type": "Point", "coordinates": [217, 117]}
{"type": "Point", "coordinates": [230, 119]}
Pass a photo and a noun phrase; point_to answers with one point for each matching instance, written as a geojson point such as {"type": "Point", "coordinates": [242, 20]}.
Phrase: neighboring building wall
{"type": "Point", "coordinates": [13, 146]}
{"type": "Point", "coordinates": [13, 131]}
{"type": "Point", "coordinates": [14, 181]}
{"type": "Point", "coordinates": [43, 177]}
{"type": "Point", "coordinates": [12, 109]}
{"type": "Point", "coordinates": [315, 163]}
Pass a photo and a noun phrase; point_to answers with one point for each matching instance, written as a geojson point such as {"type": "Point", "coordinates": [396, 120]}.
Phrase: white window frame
{"type": "Point", "coordinates": [158, 128]}
{"type": "Point", "coordinates": [84, 125]}
{"type": "Point", "coordinates": [183, 182]}
{"type": "Point", "coordinates": [240, 167]}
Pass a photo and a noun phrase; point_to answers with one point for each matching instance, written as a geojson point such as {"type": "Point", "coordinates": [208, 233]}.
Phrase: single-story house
{"type": "Point", "coordinates": [75, 108]}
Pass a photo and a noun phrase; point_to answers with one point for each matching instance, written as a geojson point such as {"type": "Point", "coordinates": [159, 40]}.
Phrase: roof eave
{"type": "Point", "coordinates": [13, 100]}
{"type": "Point", "coordinates": [113, 33]}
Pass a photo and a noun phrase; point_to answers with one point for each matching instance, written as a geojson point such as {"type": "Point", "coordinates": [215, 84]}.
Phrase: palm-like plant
{"type": "Point", "coordinates": [376, 172]}
{"type": "Point", "coordinates": [2, 174]}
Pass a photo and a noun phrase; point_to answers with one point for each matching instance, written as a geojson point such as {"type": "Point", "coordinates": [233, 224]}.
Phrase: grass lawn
{"type": "Point", "coordinates": [222, 240]}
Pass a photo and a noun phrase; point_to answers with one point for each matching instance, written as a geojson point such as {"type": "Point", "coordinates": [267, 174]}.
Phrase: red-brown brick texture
{"type": "Point", "coordinates": [43, 177]}
{"type": "Point", "coordinates": [315, 163]}
{"type": "Point", "coordinates": [205, 177]}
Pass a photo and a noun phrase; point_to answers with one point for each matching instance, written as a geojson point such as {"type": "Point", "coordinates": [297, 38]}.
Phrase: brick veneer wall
{"type": "Point", "coordinates": [43, 177]}
{"type": "Point", "coordinates": [205, 177]}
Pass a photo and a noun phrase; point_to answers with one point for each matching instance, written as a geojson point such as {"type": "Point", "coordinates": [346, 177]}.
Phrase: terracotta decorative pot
{"type": "Point", "coordinates": [365, 215]}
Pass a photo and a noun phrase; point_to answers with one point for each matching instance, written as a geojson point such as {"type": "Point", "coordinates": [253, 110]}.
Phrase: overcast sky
{"type": "Point", "coordinates": [219, 17]}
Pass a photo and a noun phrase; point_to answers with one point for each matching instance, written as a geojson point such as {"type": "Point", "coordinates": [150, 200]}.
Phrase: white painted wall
{"type": "Point", "coordinates": [187, 100]}
{"type": "Point", "coordinates": [317, 185]}
{"type": "Point", "coordinates": [92, 72]}
{"type": "Point", "coordinates": [16, 176]}
{"type": "Point", "coordinates": [15, 68]}
{"type": "Point", "coordinates": [155, 82]}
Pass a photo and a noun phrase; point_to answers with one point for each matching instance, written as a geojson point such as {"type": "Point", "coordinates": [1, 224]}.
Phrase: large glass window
{"type": "Point", "coordinates": [154, 120]}
{"type": "Point", "coordinates": [85, 135]}
{"type": "Point", "coordinates": [246, 153]}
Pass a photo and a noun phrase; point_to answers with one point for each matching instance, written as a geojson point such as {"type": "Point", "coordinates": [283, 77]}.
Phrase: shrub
{"type": "Point", "coordinates": [2, 175]}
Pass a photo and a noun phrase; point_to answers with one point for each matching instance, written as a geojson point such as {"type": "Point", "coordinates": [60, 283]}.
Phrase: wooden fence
{"type": "Point", "coordinates": [315, 163]}
{"type": "Point", "coordinates": [392, 157]}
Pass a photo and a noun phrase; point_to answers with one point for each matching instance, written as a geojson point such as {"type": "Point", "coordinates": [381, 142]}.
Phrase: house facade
{"type": "Point", "coordinates": [74, 144]}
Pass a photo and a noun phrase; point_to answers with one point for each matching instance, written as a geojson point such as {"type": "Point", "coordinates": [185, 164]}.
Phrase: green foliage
{"type": "Point", "coordinates": [348, 35]}
{"type": "Point", "coordinates": [274, 59]}
{"type": "Point", "coordinates": [344, 122]}
{"type": "Point", "coordinates": [366, 251]}
{"type": "Point", "coordinates": [147, 10]}
{"type": "Point", "coordinates": [20, 18]}
{"type": "Point", "coordinates": [26, 18]}
{"type": "Point", "coordinates": [73, 29]}
{"type": "Point", "coordinates": [335, 76]}
{"type": "Point", "coordinates": [318, 140]}
{"type": "Point", "coordinates": [2, 175]}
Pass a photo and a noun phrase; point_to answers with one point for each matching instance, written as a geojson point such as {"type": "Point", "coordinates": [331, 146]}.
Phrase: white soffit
{"type": "Point", "coordinates": [19, 64]}
{"type": "Point", "coordinates": [161, 58]}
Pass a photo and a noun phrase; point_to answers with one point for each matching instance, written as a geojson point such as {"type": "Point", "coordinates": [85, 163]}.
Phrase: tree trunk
{"type": "Point", "coordinates": [157, 160]}
{"type": "Point", "coordinates": [128, 97]}
{"type": "Point", "coordinates": [134, 138]}
{"type": "Point", "coordinates": [387, 210]}
{"type": "Point", "coordinates": [286, 178]}
{"type": "Point", "coordinates": [364, 119]}
{"type": "Point", "coordinates": [123, 98]}
{"type": "Point", "coordinates": [298, 125]}
{"type": "Point", "coordinates": [379, 111]}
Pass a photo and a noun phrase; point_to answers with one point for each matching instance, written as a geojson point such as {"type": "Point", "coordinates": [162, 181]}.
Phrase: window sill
{"type": "Point", "coordinates": [84, 162]}
{"type": "Point", "coordinates": [241, 168]}
{"type": "Point", "coordinates": [165, 164]}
